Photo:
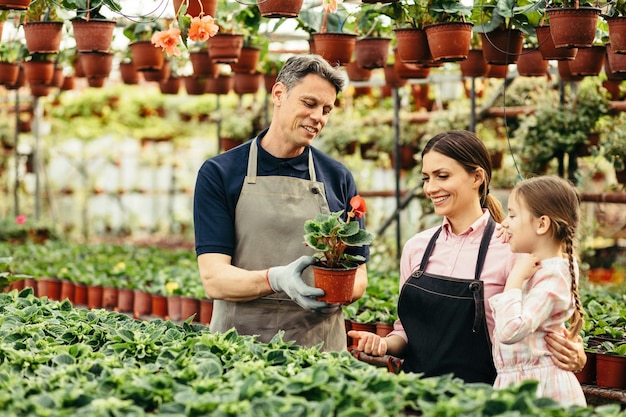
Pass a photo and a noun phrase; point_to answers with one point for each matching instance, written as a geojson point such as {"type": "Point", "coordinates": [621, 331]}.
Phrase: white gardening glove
{"type": "Point", "coordinates": [288, 279]}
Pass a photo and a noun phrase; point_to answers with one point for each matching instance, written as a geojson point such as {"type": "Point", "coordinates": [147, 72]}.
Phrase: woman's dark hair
{"type": "Point", "coordinates": [299, 66]}
{"type": "Point", "coordinates": [468, 150]}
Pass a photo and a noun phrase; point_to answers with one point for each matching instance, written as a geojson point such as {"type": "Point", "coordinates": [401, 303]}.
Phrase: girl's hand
{"type": "Point", "coordinates": [526, 266]}
{"type": "Point", "coordinates": [502, 233]}
{"type": "Point", "coordinates": [367, 342]}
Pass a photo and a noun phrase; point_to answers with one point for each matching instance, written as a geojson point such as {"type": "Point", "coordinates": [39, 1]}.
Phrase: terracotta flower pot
{"type": "Point", "coordinates": [617, 33]}
{"type": "Point", "coordinates": [392, 78]}
{"type": "Point", "coordinates": [531, 63]}
{"type": "Point", "coordinates": [202, 64]}
{"type": "Point", "coordinates": [38, 72]}
{"type": "Point", "coordinates": [475, 64]}
{"type": "Point", "coordinates": [194, 85]}
{"type": "Point", "coordinates": [174, 307]}
{"type": "Point", "coordinates": [220, 85]}
{"type": "Point", "coordinates": [128, 73]}
{"type": "Point", "coordinates": [611, 371]}
{"type": "Point", "coordinates": [94, 296]}
{"type": "Point", "coordinates": [9, 72]}
{"type": "Point", "coordinates": [15, 4]}
{"type": "Point", "coordinates": [67, 290]}
{"type": "Point", "coordinates": [159, 305]}
{"type": "Point", "coordinates": [93, 35]}
{"type": "Point", "coordinates": [573, 27]}
{"type": "Point", "coordinates": [371, 53]}
{"type": "Point", "coordinates": [142, 304]}
{"type": "Point", "coordinates": [195, 7]}
{"type": "Point", "coordinates": [247, 83]}
{"type": "Point", "coordinates": [110, 297]}
{"type": "Point", "coordinates": [43, 36]}
{"type": "Point", "coordinates": [189, 306]}
{"type": "Point", "coordinates": [547, 48]}
{"type": "Point", "coordinates": [502, 47]}
{"type": "Point", "coordinates": [588, 61]}
{"type": "Point", "coordinates": [363, 327]}
{"type": "Point", "coordinates": [588, 374]}
{"type": "Point", "coordinates": [412, 45]}
{"type": "Point", "coordinates": [449, 41]}
{"type": "Point", "coordinates": [49, 287]}
{"type": "Point", "coordinates": [356, 73]}
{"type": "Point", "coordinates": [146, 57]}
{"type": "Point", "coordinates": [125, 300]}
{"type": "Point", "coordinates": [247, 61]}
{"type": "Point", "coordinates": [225, 48]}
{"type": "Point", "coordinates": [80, 294]}
{"type": "Point", "coordinates": [206, 311]}
{"type": "Point", "coordinates": [31, 283]}
{"type": "Point", "coordinates": [338, 284]}
{"type": "Point", "coordinates": [96, 64]}
{"type": "Point", "coordinates": [279, 8]}
{"type": "Point", "coordinates": [336, 48]}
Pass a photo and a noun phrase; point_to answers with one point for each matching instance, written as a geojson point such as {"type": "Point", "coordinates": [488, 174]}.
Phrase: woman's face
{"type": "Point", "coordinates": [453, 190]}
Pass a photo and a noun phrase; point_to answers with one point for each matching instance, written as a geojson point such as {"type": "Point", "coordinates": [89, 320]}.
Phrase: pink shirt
{"type": "Point", "coordinates": [456, 256]}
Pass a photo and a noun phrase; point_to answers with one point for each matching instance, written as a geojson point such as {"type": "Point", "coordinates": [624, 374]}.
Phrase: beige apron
{"type": "Point", "coordinates": [269, 223]}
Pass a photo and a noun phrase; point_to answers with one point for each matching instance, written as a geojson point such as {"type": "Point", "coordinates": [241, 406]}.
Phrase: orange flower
{"type": "Point", "coordinates": [359, 208]}
{"type": "Point", "coordinates": [330, 6]}
{"type": "Point", "coordinates": [168, 40]}
{"type": "Point", "coordinates": [202, 28]}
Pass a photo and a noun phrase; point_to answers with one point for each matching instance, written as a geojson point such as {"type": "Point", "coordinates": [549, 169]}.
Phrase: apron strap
{"type": "Point", "coordinates": [476, 286]}
{"type": "Point", "coordinates": [252, 163]}
{"type": "Point", "coordinates": [428, 251]}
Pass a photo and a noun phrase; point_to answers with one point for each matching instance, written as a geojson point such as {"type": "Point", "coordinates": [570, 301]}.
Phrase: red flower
{"type": "Point", "coordinates": [359, 208]}
{"type": "Point", "coordinates": [21, 219]}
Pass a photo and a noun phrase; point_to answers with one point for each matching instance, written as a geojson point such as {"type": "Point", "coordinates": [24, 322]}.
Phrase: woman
{"type": "Point", "coordinates": [447, 273]}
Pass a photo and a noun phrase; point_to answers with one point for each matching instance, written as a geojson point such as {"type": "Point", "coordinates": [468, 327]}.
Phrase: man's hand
{"type": "Point", "coordinates": [288, 279]}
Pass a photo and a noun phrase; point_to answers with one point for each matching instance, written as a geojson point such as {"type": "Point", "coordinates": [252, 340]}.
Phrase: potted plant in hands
{"type": "Point", "coordinates": [330, 236]}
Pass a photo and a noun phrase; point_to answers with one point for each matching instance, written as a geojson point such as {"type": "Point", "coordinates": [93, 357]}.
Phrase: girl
{"type": "Point", "coordinates": [541, 291]}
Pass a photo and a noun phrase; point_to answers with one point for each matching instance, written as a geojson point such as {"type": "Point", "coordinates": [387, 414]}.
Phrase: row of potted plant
{"type": "Point", "coordinates": [61, 361]}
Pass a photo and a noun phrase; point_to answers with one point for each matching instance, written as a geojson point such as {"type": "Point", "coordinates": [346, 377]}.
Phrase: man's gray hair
{"type": "Point", "coordinates": [299, 66]}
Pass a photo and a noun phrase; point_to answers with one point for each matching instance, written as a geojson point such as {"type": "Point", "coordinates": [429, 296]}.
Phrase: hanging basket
{"type": "Point", "coordinates": [9, 72]}
{"type": "Point", "coordinates": [43, 36]}
{"type": "Point", "coordinates": [588, 61]}
{"type": "Point", "coordinates": [38, 72]}
{"type": "Point", "coordinates": [195, 7]}
{"type": "Point", "coordinates": [356, 73]}
{"type": "Point", "coordinates": [279, 8]}
{"type": "Point", "coordinates": [225, 48]}
{"type": "Point", "coordinates": [14, 4]}
{"type": "Point", "coordinates": [247, 83]}
{"type": "Point", "coordinates": [221, 85]}
{"type": "Point", "coordinates": [202, 64]}
{"type": "Point", "coordinates": [449, 41]}
{"type": "Point", "coordinates": [412, 45]}
{"type": "Point", "coordinates": [146, 57]}
{"type": "Point", "coordinates": [96, 64]}
{"type": "Point", "coordinates": [335, 48]}
{"type": "Point", "coordinates": [371, 53]}
{"type": "Point", "coordinates": [128, 73]}
{"type": "Point", "coordinates": [94, 35]}
{"type": "Point", "coordinates": [573, 27]}
{"type": "Point", "coordinates": [531, 63]}
{"type": "Point", "coordinates": [502, 47]}
{"type": "Point", "coordinates": [170, 85]}
{"type": "Point", "coordinates": [547, 48]}
{"type": "Point", "coordinates": [475, 64]}
{"type": "Point", "coordinates": [247, 61]}
{"type": "Point", "coordinates": [617, 33]}
{"type": "Point", "coordinates": [194, 86]}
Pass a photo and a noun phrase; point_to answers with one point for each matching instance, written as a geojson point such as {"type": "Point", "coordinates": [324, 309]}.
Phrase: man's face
{"type": "Point", "coordinates": [302, 113]}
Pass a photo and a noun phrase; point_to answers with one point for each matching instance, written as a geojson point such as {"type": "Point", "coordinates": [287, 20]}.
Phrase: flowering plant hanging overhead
{"type": "Point", "coordinates": [197, 29]}
{"type": "Point", "coordinates": [330, 235]}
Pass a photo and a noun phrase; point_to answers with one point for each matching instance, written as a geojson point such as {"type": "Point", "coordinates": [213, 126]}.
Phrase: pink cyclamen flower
{"type": "Point", "coordinates": [202, 28]}
{"type": "Point", "coordinates": [21, 219]}
{"type": "Point", "coordinates": [331, 5]}
{"type": "Point", "coordinates": [168, 40]}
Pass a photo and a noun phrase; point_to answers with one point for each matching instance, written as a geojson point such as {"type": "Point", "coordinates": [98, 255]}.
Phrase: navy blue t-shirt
{"type": "Point", "coordinates": [220, 180]}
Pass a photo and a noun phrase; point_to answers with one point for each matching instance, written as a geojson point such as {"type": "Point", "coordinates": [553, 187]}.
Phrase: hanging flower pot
{"type": "Point", "coordinates": [9, 72]}
{"type": "Point", "coordinates": [392, 79]}
{"type": "Point", "coordinates": [14, 4]}
{"type": "Point", "coordinates": [170, 86]}
{"type": "Point", "coordinates": [502, 46]}
{"type": "Point", "coordinates": [547, 48]}
{"type": "Point", "coordinates": [279, 8]}
{"type": "Point", "coordinates": [195, 7]}
{"type": "Point", "coordinates": [202, 64]}
{"type": "Point", "coordinates": [78, 68]}
{"type": "Point", "coordinates": [338, 284]}
{"type": "Point", "coordinates": [475, 64]}
{"type": "Point", "coordinates": [412, 45]}
{"type": "Point", "coordinates": [336, 48]}
{"type": "Point", "coordinates": [247, 61]}
{"type": "Point", "coordinates": [531, 63]}
{"type": "Point", "coordinates": [96, 64]}
{"type": "Point", "coordinates": [409, 71]}
{"type": "Point", "coordinates": [39, 90]}
{"type": "Point", "coordinates": [613, 88]}
{"type": "Point", "coordinates": [449, 41]}
{"type": "Point", "coordinates": [57, 77]}
{"type": "Point", "coordinates": [497, 71]}
{"type": "Point", "coordinates": [610, 75]}
{"type": "Point", "coordinates": [617, 61]}
{"type": "Point", "coordinates": [247, 83]}
{"type": "Point", "coordinates": [573, 27]}
{"type": "Point", "coordinates": [356, 73]}
{"type": "Point", "coordinates": [146, 57]}
{"type": "Point", "coordinates": [38, 72]}
{"type": "Point", "coordinates": [194, 86]}
{"type": "Point", "coordinates": [565, 73]}
{"type": "Point", "coordinates": [128, 73]}
{"type": "Point", "coordinates": [225, 48]}
{"type": "Point", "coordinates": [268, 82]}
{"type": "Point", "coordinates": [157, 75]}
{"type": "Point", "coordinates": [588, 61]}
{"type": "Point", "coordinates": [617, 33]}
{"type": "Point", "coordinates": [43, 36]}
{"type": "Point", "coordinates": [371, 53]}
{"type": "Point", "coordinates": [93, 35]}
{"type": "Point", "coordinates": [221, 85]}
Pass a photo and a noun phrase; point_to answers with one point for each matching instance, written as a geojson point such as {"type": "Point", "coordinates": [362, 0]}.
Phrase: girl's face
{"type": "Point", "coordinates": [520, 225]}
{"type": "Point", "coordinates": [453, 190]}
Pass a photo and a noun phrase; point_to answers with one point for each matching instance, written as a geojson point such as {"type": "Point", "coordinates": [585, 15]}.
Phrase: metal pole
{"type": "Point", "coordinates": [36, 159]}
{"type": "Point", "coordinates": [472, 126]}
{"type": "Point", "coordinates": [16, 196]}
{"type": "Point", "coordinates": [396, 157]}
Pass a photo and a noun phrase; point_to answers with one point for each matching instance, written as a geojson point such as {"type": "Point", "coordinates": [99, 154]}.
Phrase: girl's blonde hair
{"type": "Point", "coordinates": [558, 199]}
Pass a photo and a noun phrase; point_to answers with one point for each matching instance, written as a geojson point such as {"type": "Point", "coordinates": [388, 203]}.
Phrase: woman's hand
{"type": "Point", "coordinates": [568, 354]}
{"type": "Point", "coordinates": [367, 342]}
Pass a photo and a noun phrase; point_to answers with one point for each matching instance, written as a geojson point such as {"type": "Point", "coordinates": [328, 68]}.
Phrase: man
{"type": "Point", "coordinates": [250, 206]}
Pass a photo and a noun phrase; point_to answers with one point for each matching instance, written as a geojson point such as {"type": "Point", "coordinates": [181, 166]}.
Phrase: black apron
{"type": "Point", "coordinates": [444, 319]}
